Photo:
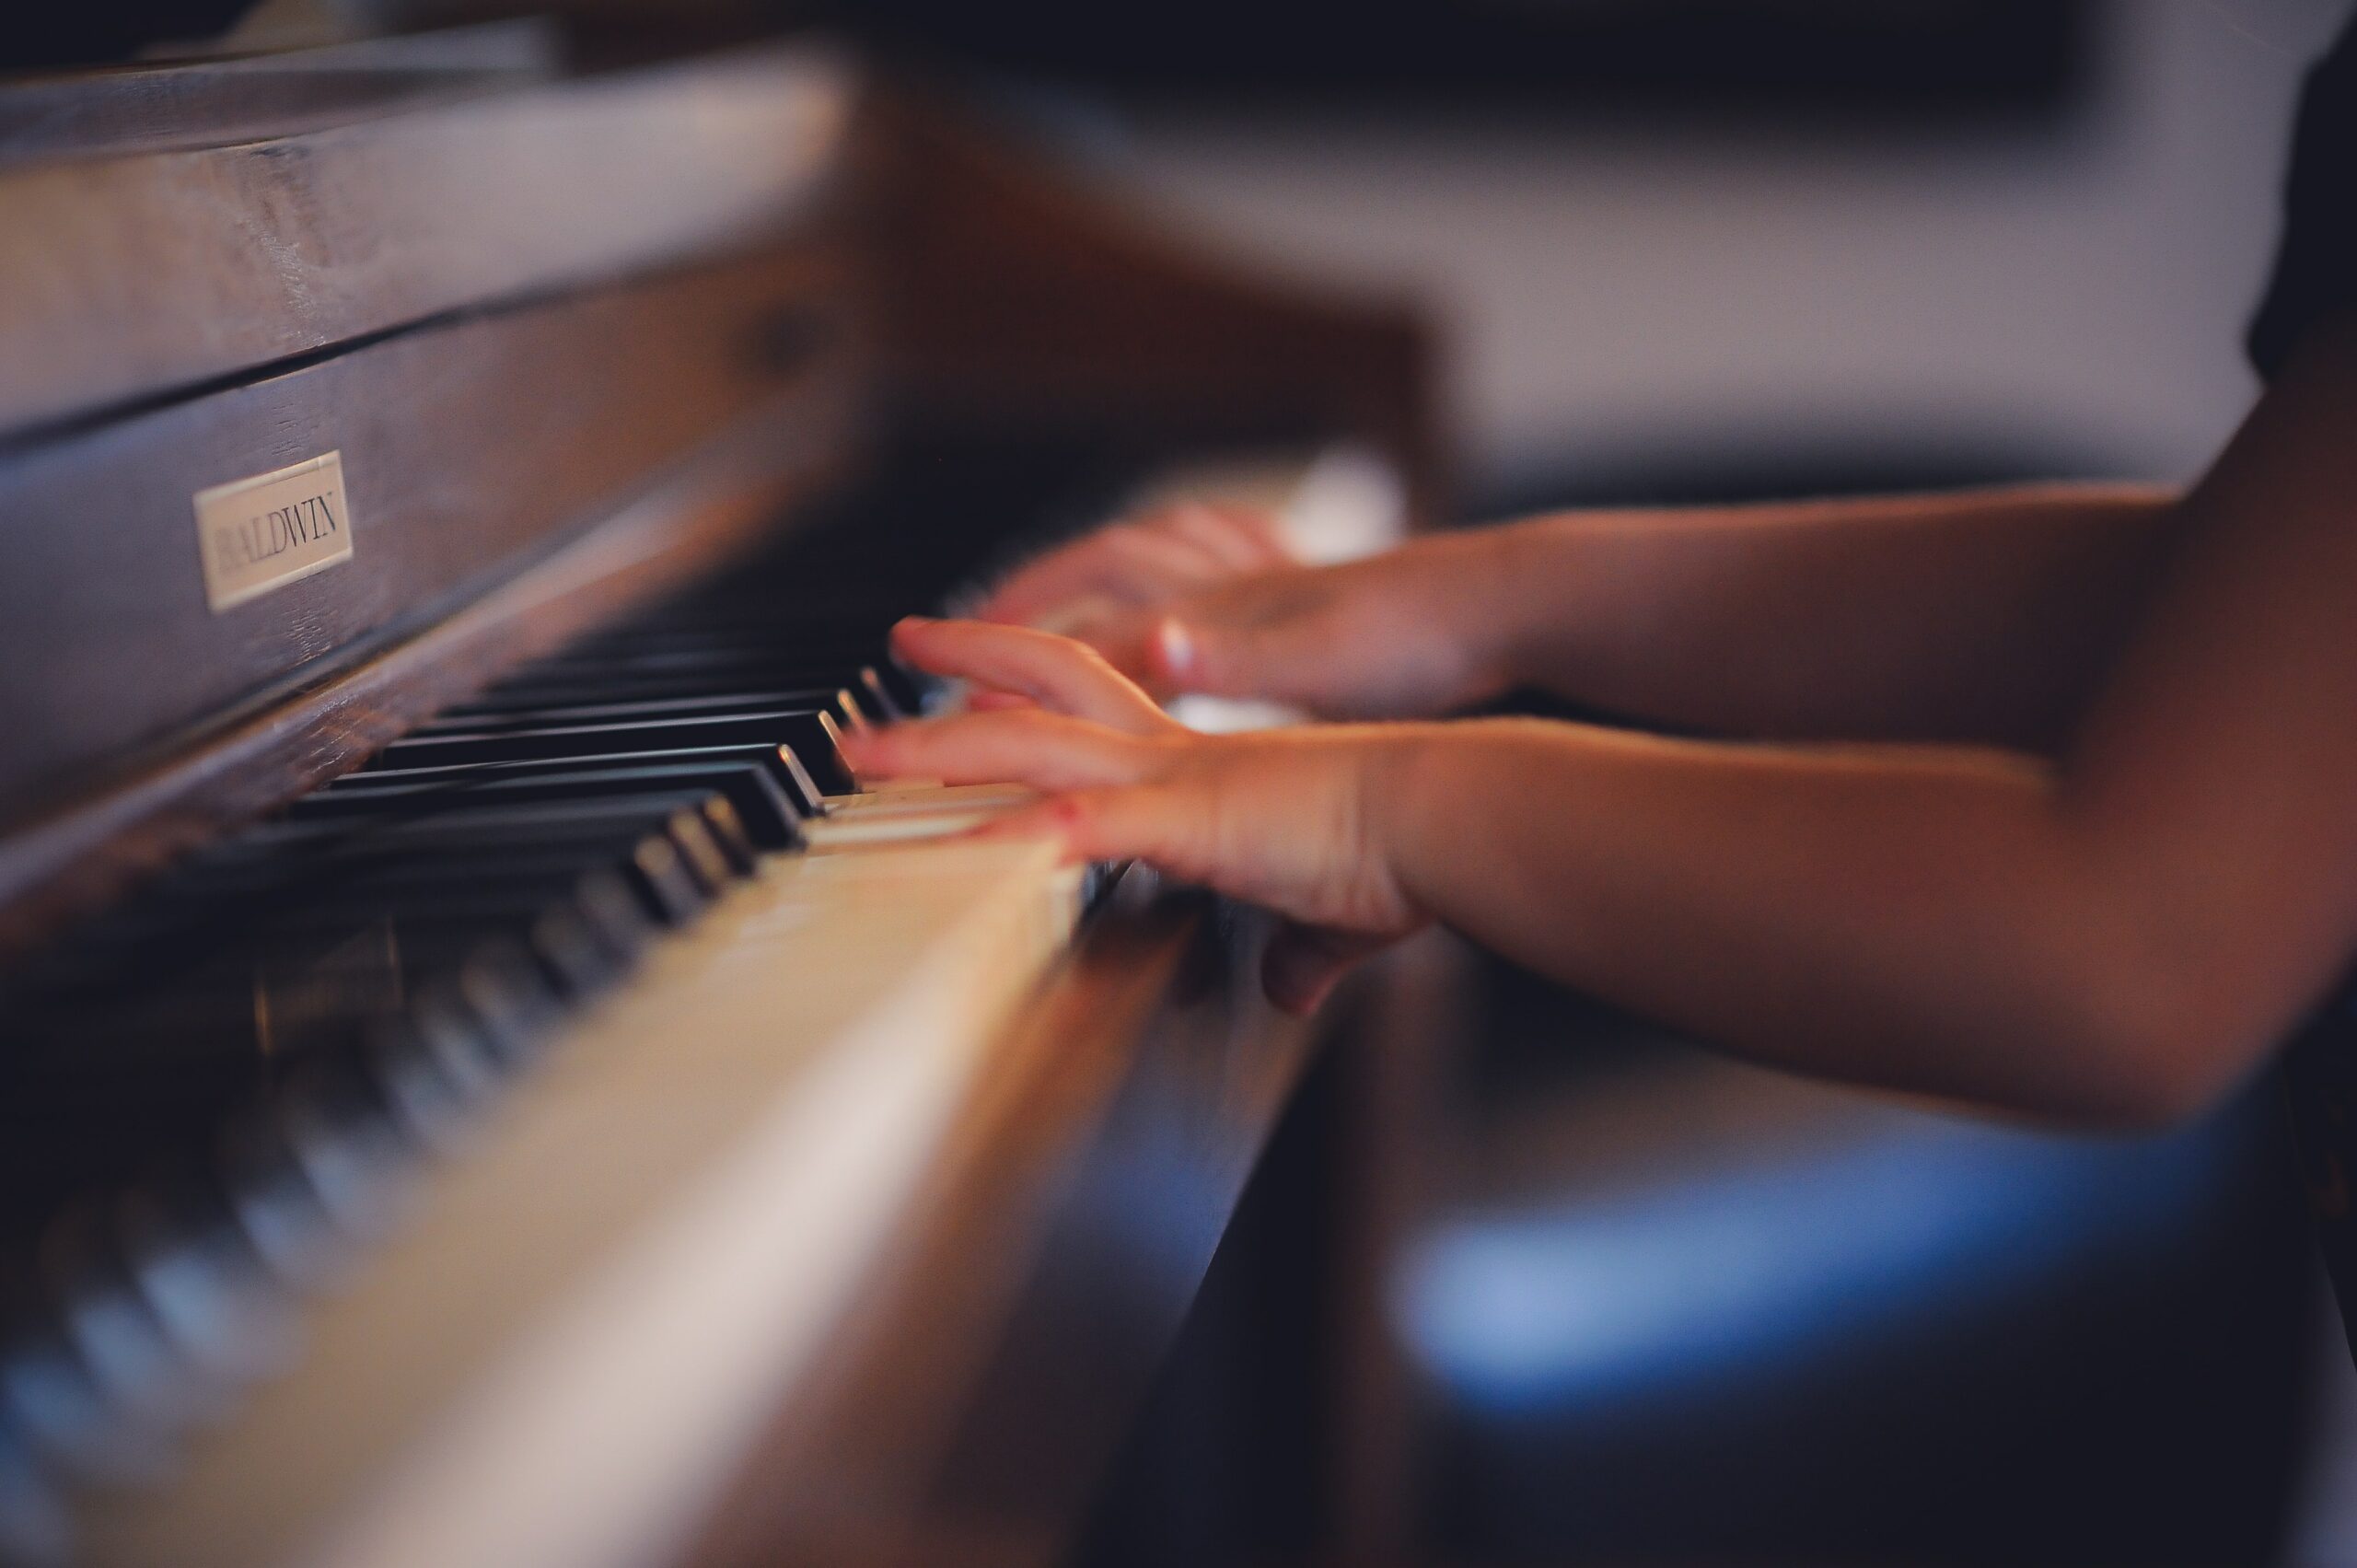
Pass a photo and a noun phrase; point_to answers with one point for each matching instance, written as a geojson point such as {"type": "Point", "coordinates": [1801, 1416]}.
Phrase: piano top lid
{"type": "Point", "coordinates": [126, 278]}
{"type": "Point", "coordinates": [155, 106]}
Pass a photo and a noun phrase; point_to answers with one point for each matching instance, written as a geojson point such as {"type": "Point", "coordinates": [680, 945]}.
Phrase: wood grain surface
{"type": "Point", "coordinates": [1007, 290]}
{"type": "Point", "coordinates": [124, 278]}
{"type": "Point", "coordinates": [977, 1395]}
{"type": "Point", "coordinates": [712, 504]}
{"type": "Point", "coordinates": [462, 448]}
{"type": "Point", "coordinates": [152, 107]}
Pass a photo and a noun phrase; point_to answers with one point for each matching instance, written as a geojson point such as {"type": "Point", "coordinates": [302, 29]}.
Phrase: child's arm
{"type": "Point", "coordinates": [1986, 615]}
{"type": "Point", "coordinates": [2116, 938]}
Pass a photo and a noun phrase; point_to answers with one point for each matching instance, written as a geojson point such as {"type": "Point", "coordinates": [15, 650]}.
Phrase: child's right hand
{"type": "Point", "coordinates": [1294, 819]}
{"type": "Point", "coordinates": [1203, 601]}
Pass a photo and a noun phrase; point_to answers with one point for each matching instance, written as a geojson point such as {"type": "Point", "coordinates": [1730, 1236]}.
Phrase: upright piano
{"type": "Point", "coordinates": [480, 1081]}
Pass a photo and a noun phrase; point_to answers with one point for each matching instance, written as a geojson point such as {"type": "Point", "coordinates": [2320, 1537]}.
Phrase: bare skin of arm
{"type": "Point", "coordinates": [1983, 616]}
{"type": "Point", "coordinates": [2114, 936]}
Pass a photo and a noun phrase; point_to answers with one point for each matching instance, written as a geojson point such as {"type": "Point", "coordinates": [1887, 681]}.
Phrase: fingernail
{"type": "Point", "coordinates": [916, 619]}
{"type": "Point", "coordinates": [1175, 646]}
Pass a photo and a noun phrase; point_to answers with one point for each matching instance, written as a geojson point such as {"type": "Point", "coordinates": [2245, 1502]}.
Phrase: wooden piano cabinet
{"type": "Point", "coordinates": [463, 449]}
{"type": "Point", "coordinates": [520, 309]}
{"type": "Point", "coordinates": [997, 1382]}
{"type": "Point", "coordinates": [1286, 1426]}
{"type": "Point", "coordinates": [127, 274]}
{"type": "Point", "coordinates": [79, 848]}
{"type": "Point", "coordinates": [164, 105]}
{"type": "Point", "coordinates": [973, 1405]}
{"type": "Point", "coordinates": [1001, 289]}
{"type": "Point", "coordinates": [1417, 1009]}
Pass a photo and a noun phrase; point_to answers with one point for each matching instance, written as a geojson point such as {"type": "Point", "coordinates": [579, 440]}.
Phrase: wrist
{"type": "Point", "coordinates": [1400, 790]}
{"type": "Point", "coordinates": [1464, 586]}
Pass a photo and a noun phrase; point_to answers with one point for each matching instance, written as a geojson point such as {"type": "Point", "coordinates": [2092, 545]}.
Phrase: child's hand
{"type": "Point", "coordinates": [1284, 819]}
{"type": "Point", "coordinates": [1139, 563]}
{"type": "Point", "coordinates": [1413, 631]}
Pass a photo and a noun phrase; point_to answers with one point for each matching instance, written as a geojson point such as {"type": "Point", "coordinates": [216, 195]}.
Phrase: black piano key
{"type": "Point", "coordinates": [830, 660]}
{"type": "Point", "coordinates": [435, 1108]}
{"type": "Point", "coordinates": [599, 689]}
{"type": "Point", "coordinates": [61, 1410]}
{"type": "Point", "coordinates": [571, 953]}
{"type": "Point", "coordinates": [431, 836]}
{"type": "Point", "coordinates": [729, 670]}
{"type": "Point", "coordinates": [506, 996]}
{"type": "Point", "coordinates": [778, 763]}
{"type": "Point", "coordinates": [838, 700]}
{"type": "Point", "coordinates": [723, 670]}
{"type": "Point", "coordinates": [213, 1028]}
{"type": "Point", "coordinates": [707, 840]}
{"type": "Point", "coordinates": [880, 687]}
{"type": "Point", "coordinates": [512, 893]}
{"type": "Point", "coordinates": [891, 700]}
{"type": "Point", "coordinates": [443, 1031]}
{"type": "Point", "coordinates": [350, 1140]}
{"type": "Point", "coordinates": [486, 882]}
{"type": "Point", "coordinates": [287, 858]}
{"type": "Point", "coordinates": [770, 816]}
{"type": "Point", "coordinates": [812, 734]}
{"type": "Point", "coordinates": [146, 1379]}
{"type": "Point", "coordinates": [201, 1275]}
{"type": "Point", "coordinates": [294, 977]}
{"type": "Point", "coordinates": [674, 870]}
{"type": "Point", "coordinates": [402, 945]}
{"type": "Point", "coordinates": [849, 639]}
{"type": "Point", "coordinates": [277, 1209]}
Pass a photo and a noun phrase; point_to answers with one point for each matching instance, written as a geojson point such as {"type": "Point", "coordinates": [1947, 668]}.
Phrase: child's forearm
{"type": "Point", "coordinates": [1984, 616]}
{"type": "Point", "coordinates": [1920, 919]}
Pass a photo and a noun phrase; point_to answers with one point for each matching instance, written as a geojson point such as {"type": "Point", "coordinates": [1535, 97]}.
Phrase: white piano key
{"type": "Point", "coordinates": [587, 1318]}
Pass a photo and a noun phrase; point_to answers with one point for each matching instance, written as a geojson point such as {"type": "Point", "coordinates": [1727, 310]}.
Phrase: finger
{"type": "Point", "coordinates": [1241, 539]}
{"type": "Point", "coordinates": [1060, 675]}
{"type": "Point", "coordinates": [1118, 635]}
{"type": "Point", "coordinates": [1302, 963]}
{"type": "Point", "coordinates": [1154, 823]}
{"type": "Point", "coordinates": [983, 700]}
{"type": "Point", "coordinates": [1034, 589]}
{"type": "Point", "coordinates": [1182, 655]}
{"type": "Point", "coordinates": [1046, 750]}
{"type": "Point", "coordinates": [1154, 563]}
{"type": "Point", "coordinates": [1127, 564]}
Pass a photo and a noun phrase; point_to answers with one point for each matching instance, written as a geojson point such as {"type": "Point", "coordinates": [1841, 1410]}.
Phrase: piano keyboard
{"type": "Point", "coordinates": [284, 1109]}
{"type": "Point", "coordinates": [771, 989]}
{"type": "Point", "coordinates": [737, 1150]}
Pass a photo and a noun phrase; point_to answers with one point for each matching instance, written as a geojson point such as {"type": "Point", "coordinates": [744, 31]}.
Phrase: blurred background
{"type": "Point", "coordinates": [1680, 237]}
{"type": "Point", "coordinates": [1603, 1297]}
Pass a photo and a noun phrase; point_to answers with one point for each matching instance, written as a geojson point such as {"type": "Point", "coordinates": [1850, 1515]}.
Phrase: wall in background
{"type": "Point", "coordinates": [1634, 287]}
